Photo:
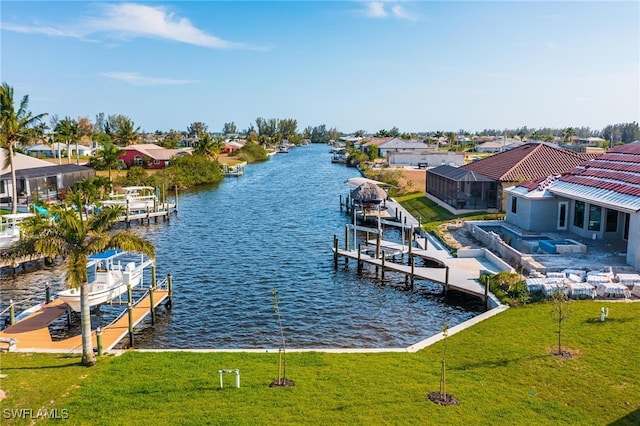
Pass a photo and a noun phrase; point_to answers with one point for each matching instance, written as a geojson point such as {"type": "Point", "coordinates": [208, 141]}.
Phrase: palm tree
{"type": "Point", "coordinates": [75, 240]}
{"type": "Point", "coordinates": [15, 126]}
{"type": "Point", "coordinates": [207, 146]}
{"type": "Point", "coordinates": [68, 131]}
{"type": "Point", "coordinates": [126, 133]}
{"type": "Point", "coordinates": [108, 154]}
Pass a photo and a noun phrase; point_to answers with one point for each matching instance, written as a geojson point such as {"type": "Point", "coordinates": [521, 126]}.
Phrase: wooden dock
{"type": "Point", "coordinates": [453, 273]}
{"type": "Point", "coordinates": [162, 210]}
{"type": "Point", "coordinates": [32, 333]}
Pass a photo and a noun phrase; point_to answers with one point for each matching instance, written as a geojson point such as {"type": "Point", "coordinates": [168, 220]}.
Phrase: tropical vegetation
{"type": "Point", "coordinates": [67, 234]}
{"type": "Point", "coordinates": [16, 126]}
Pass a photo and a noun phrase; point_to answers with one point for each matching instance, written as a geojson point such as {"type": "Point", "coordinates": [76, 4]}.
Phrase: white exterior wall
{"type": "Point", "coordinates": [539, 215]}
{"type": "Point", "coordinates": [412, 158]}
{"type": "Point", "coordinates": [633, 244]}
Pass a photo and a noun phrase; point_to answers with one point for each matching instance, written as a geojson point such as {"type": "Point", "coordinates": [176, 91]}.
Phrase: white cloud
{"type": "Point", "coordinates": [136, 20]}
{"type": "Point", "coordinates": [386, 9]}
{"type": "Point", "coordinates": [551, 45]}
{"type": "Point", "coordinates": [49, 31]}
{"type": "Point", "coordinates": [401, 13]}
{"type": "Point", "coordinates": [375, 9]}
{"type": "Point", "coordinates": [136, 79]}
{"type": "Point", "coordinates": [129, 20]}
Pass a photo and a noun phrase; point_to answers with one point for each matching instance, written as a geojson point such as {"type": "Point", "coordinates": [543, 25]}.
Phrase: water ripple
{"type": "Point", "coordinates": [232, 243]}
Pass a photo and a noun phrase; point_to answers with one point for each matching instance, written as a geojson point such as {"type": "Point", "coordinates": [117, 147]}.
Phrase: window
{"type": "Point", "coordinates": [595, 217]}
{"type": "Point", "coordinates": [137, 160]}
{"type": "Point", "coordinates": [156, 162]}
{"type": "Point", "coordinates": [514, 204]}
{"type": "Point", "coordinates": [562, 215]}
{"type": "Point", "coordinates": [612, 221]}
{"type": "Point", "coordinates": [578, 214]}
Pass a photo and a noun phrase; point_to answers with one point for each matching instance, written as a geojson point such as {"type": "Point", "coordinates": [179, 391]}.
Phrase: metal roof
{"type": "Point", "coordinates": [36, 172]}
{"type": "Point", "coordinates": [458, 174]}
{"type": "Point", "coordinates": [600, 196]}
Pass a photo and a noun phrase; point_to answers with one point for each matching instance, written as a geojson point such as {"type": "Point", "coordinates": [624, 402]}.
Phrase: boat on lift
{"type": "Point", "coordinates": [110, 278]}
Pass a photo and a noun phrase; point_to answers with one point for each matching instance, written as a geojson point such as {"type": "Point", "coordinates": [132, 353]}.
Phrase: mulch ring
{"type": "Point", "coordinates": [443, 399]}
{"type": "Point", "coordinates": [281, 383]}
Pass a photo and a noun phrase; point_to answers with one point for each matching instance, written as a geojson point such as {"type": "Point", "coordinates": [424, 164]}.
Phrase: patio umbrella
{"type": "Point", "coordinates": [368, 193]}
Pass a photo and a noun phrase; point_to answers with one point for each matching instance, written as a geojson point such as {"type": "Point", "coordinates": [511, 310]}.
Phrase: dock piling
{"type": "Point", "coordinates": [382, 268]}
{"type": "Point", "coordinates": [130, 313]}
{"type": "Point", "coordinates": [335, 251]}
{"type": "Point", "coordinates": [12, 312]}
{"type": "Point", "coordinates": [99, 340]}
{"type": "Point", "coordinates": [170, 291]}
{"type": "Point", "coordinates": [446, 281]}
{"type": "Point", "coordinates": [359, 269]}
{"type": "Point", "coordinates": [47, 293]}
{"type": "Point", "coordinates": [151, 306]}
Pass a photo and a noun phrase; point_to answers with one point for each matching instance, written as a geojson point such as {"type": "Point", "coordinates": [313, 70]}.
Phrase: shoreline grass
{"type": "Point", "coordinates": [501, 370]}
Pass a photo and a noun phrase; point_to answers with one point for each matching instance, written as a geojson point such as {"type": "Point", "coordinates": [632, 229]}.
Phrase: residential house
{"type": "Point", "coordinates": [598, 199]}
{"type": "Point", "coordinates": [402, 152]}
{"type": "Point", "coordinates": [527, 162]}
{"type": "Point", "coordinates": [369, 144]}
{"type": "Point", "coordinates": [499, 145]}
{"type": "Point", "coordinates": [42, 150]}
{"type": "Point", "coordinates": [149, 155]}
{"type": "Point", "coordinates": [38, 178]}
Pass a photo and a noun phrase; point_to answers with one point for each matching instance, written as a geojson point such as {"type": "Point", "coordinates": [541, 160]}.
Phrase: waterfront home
{"type": "Point", "coordinates": [149, 155]}
{"type": "Point", "coordinates": [484, 188]}
{"type": "Point", "coordinates": [402, 152]}
{"type": "Point", "coordinates": [38, 178]}
{"type": "Point", "coordinates": [369, 144]}
{"type": "Point", "coordinates": [598, 199]}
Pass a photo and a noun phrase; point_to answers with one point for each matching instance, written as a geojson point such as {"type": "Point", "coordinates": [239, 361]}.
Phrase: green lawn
{"type": "Point", "coordinates": [501, 370]}
{"type": "Point", "coordinates": [432, 215]}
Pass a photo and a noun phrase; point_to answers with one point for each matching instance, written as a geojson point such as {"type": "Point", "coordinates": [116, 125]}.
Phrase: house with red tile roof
{"type": "Point", "coordinates": [150, 156]}
{"type": "Point", "coordinates": [492, 175]}
{"type": "Point", "coordinates": [598, 199]}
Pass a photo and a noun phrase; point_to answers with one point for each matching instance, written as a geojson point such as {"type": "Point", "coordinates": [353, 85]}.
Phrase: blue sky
{"type": "Point", "coordinates": [416, 65]}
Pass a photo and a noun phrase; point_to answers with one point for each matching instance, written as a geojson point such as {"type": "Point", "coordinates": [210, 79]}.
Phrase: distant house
{"type": "Point", "coordinates": [369, 144]}
{"type": "Point", "coordinates": [42, 150]}
{"type": "Point", "coordinates": [233, 145]}
{"type": "Point", "coordinates": [527, 162]}
{"type": "Point", "coordinates": [598, 199]}
{"type": "Point", "coordinates": [402, 152]}
{"type": "Point", "coordinates": [149, 156]}
{"type": "Point", "coordinates": [499, 145]}
{"type": "Point", "coordinates": [38, 178]}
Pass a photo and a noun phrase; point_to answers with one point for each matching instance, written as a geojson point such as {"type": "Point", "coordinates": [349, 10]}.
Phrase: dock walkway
{"type": "Point", "coordinates": [32, 333]}
{"type": "Point", "coordinates": [455, 273]}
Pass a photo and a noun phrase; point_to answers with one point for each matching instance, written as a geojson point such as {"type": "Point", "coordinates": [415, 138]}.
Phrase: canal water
{"type": "Point", "coordinates": [231, 244]}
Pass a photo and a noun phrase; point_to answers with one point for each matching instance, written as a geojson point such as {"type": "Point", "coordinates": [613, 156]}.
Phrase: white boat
{"type": "Point", "coordinates": [282, 149]}
{"type": "Point", "coordinates": [135, 198]}
{"type": "Point", "coordinates": [110, 278]}
{"type": "Point", "coordinates": [10, 228]}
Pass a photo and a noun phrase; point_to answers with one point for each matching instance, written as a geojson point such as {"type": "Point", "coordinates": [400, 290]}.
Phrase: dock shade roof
{"type": "Point", "coordinates": [357, 181]}
{"type": "Point", "coordinates": [459, 174]}
{"type": "Point", "coordinates": [368, 192]}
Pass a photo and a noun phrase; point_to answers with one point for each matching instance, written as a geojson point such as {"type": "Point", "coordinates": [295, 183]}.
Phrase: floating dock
{"type": "Point", "coordinates": [32, 333]}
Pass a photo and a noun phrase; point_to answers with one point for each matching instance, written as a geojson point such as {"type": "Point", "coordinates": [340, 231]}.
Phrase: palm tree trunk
{"type": "Point", "coordinates": [14, 180]}
{"type": "Point", "coordinates": [88, 357]}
